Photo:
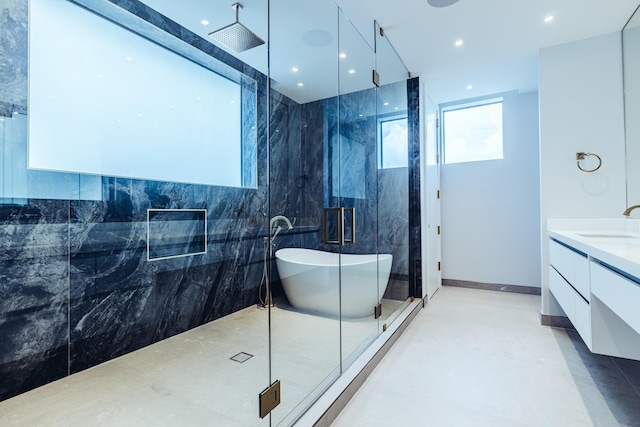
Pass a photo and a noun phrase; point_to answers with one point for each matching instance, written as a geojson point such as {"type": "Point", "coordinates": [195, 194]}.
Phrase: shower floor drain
{"type": "Point", "coordinates": [241, 357]}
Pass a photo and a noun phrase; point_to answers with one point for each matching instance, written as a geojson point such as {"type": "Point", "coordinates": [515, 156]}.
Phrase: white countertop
{"type": "Point", "coordinates": [595, 237]}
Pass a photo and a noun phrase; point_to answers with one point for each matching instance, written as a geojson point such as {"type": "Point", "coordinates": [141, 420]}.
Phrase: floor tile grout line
{"type": "Point", "coordinates": [625, 376]}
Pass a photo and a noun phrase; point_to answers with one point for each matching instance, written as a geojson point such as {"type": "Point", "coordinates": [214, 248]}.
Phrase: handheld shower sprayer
{"type": "Point", "coordinates": [268, 252]}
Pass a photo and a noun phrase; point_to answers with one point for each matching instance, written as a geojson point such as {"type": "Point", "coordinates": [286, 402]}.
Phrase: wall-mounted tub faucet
{"type": "Point", "coordinates": [627, 211]}
{"type": "Point", "coordinates": [268, 253]}
{"type": "Point", "coordinates": [274, 220]}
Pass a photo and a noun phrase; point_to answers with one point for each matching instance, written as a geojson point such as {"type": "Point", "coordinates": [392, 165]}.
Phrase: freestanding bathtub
{"type": "Point", "coordinates": [311, 280]}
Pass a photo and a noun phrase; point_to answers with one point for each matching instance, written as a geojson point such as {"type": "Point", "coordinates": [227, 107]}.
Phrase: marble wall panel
{"type": "Point", "coordinates": [415, 240]}
{"type": "Point", "coordinates": [33, 294]}
{"type": "Point", "coordinates": [393, 218]}
{"type": "Point", "coordinates": [315, 125]}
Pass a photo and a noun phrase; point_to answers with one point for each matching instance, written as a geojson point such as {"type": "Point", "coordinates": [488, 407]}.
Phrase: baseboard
{"type": "Point", "coordinates": [528, 290]}
{"type": "Point", "coordinates": [556, 321]}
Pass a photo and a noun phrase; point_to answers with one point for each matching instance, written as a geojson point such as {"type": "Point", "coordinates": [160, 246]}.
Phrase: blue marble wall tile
{"type": "Point", "coordinates": [317, 121]}
{"type": "Point", "coordinates": [393, 218]}
{"type": "Point", "coordinates": [13, 57]}
{"type": "Point", "coordinates": [415, 240]}
{"type": "Point", "coordinates": [33, 294]}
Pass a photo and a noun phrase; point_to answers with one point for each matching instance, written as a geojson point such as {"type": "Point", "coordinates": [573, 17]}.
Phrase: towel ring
{"type": "Point", "coordinates": [582, 156]}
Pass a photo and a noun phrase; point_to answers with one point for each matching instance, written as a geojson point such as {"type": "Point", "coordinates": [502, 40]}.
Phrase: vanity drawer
{"type": "Point", "coordinates": [583, 319]}
{"type": "Point", "coordinates": [572, 265]}
{"type": "Point", "coordinates": [563, 293]}
{"type": "Point", "coordinates": [575, 307]}
{"type": "Point", "coordinates": [617, 292]}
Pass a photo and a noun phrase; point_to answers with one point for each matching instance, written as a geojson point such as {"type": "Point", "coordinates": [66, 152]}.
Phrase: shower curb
{"type": "Point", "coordinates": [327, 408]}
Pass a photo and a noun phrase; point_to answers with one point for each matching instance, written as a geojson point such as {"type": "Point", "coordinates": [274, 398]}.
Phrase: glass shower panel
{"type": "Point", "coordinates": [356, 192]}
{"type": "Point", "coordinates": [393, 175]}
{"type": "Point", "coordinates": [305, 323]}
{"type": "Point", "coordinates": [80, 282]}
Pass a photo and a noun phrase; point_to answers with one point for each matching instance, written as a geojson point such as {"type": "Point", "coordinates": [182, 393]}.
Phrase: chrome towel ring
{"type": "Point", "coordinates": [582, 156]}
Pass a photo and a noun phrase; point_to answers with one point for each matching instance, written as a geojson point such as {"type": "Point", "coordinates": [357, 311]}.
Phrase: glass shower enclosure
{"type": "Point", "coordinates": [228, 229]}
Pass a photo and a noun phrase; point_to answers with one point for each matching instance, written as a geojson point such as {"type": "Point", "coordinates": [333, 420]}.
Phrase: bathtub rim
{"type": "Point", "coordinates": [350, 258]}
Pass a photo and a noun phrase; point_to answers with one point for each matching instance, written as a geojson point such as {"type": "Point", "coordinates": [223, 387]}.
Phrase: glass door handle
{"type": "Point", "coordinates": [336, 223]}
{"type": "Point", "coordinates": [348, 225]}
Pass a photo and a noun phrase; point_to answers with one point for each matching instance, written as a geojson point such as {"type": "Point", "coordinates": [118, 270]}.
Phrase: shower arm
{"type": "Point", "coordinates": [237, 7]}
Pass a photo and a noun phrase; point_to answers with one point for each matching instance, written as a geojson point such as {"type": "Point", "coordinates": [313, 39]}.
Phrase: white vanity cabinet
{"type": "Point", "coordinates": [601, 300]}
{"type": "Point", "coordinates": [569, 282]}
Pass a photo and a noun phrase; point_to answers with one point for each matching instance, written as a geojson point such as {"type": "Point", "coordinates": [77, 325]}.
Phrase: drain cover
{"type": "Point", "coordinates": [241, 357]}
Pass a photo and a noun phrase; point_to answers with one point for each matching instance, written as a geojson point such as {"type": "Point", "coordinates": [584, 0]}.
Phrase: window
{"type": "Point", "coordinates": [472, 133]}
{"type": "Point", "coordinates": [114, 103]}
{"type": "Point", "coordinates": [394, 143]}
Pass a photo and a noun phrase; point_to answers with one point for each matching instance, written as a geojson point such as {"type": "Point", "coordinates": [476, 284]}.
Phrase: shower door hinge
{"type": "Point", "coordinates": [439, 265]}
{"type": "Point", "coordinates": [438, 229]}
{"type": "Point", "coordinates": [377, 312]}
{"type": "Point", "coordinates": [437, 122]}
{"type": "Point", "coordinates": [376, 78]}
{"type": "Point", "coordinates": [438, 194]}
{"type": "Point", "coordinates": [269, 399]}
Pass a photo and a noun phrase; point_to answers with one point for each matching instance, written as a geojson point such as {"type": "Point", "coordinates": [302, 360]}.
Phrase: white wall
{"type": "Point", "coordinates": [581, 109]}
{"type": "Point", "coordinates": [490, 209]}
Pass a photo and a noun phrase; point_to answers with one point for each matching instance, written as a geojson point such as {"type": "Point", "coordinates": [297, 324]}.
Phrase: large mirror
{"type": "Point", "coordinates": [631, 57]}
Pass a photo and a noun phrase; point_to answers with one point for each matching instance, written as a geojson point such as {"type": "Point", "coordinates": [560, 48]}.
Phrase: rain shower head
{"type": "Point", "coordinates": [236, 36]}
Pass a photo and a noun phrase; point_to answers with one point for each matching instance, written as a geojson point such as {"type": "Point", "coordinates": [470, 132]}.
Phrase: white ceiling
{"type": "Point", "coordinates": [501, 38]}
{"type": "Point", "coordinates": [500, 51]}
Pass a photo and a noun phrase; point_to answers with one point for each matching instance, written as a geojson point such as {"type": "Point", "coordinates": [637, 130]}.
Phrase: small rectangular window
{"type": "Point", "coordinates": [472, 133]}
{"type": "Point", "coordinates": [393, 152]}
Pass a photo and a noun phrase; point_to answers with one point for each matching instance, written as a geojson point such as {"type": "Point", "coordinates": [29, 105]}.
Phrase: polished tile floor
{"type": "Point", "coordinates": [191, 380]}
{"type": "Point", "coordinates": [478, 358]}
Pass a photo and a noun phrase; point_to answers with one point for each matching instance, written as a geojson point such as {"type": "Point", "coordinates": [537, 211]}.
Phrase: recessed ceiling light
{"type": "Point", "coordinates": [386, 103]}
{"type": "Point", "coordinates": [469, 87]}
{"type": "Point", "coordinates": [300, 84]}
{"type": "Point", "coordinates": [395, 108]}
{"type": "Point", "coordinates": [360, 115]}
{"type": "Point", "coordinates": [352, 71]}
{"type": "Point", "coordinates": [204, 22]}
{"type": "Point", "coordinates": [459, 42]}
{"type": "Point", "coordinates": [548, 18]}
{"type": "Point", "coordinates": [343, 55]}
{"type": "Point", "coordinates": [295, 69]}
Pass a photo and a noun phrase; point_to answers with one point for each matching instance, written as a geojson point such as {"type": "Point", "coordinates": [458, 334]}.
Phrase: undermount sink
{"type": "Point", "coordinates": [608, 235]}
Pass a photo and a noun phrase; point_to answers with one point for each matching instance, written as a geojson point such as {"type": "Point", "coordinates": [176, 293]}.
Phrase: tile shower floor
{"type": "Point", "coordinates": [190, 379]}
{"type": "Point", "coordinates": [478, 358]}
